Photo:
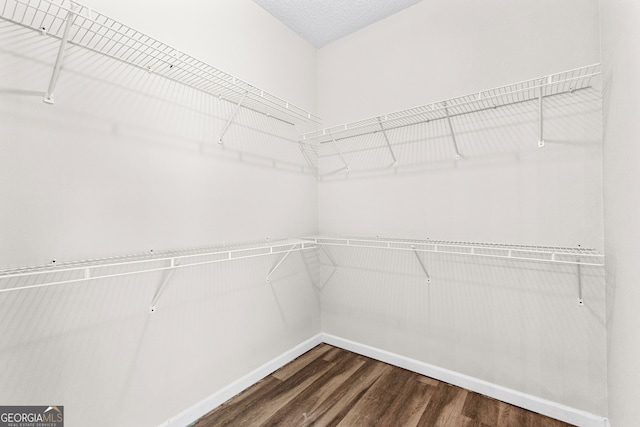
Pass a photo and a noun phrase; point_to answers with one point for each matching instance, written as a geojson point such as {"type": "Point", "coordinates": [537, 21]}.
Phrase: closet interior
{"type": "Point", "coordinates": [436, 292]}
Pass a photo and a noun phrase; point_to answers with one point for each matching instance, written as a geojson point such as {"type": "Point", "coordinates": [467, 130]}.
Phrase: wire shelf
{"type": "Point", "coordinates": [80, 271]}
{"type": "Point", "coordinates": [98, 33]}
{"type": "Point", "coordinates": [486, 100]}
{"type": "Point", "coordinates": [561, 255]}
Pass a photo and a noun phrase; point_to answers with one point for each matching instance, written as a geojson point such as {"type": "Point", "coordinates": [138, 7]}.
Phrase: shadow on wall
{"type": "Point", "coordinates": [211, 276]}
{"type": "Point", "coordinates": [510, 322]}
{"type": "Point", "coordinates": [99, 337]}
{"type": "Point", "coordinates": [99, 97]}
{"type": "Point", "coordinates": [610, 281]}
{"type": "Point", "coordinates": [503, 134]}
{"type": "Point", "coordinates": [610, 277]}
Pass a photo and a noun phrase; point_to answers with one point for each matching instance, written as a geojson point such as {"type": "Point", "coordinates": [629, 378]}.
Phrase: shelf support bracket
{"type": "Point", "coordinates": [453, 134]}
{"type": "Point", "coordinates": [386, 139]}
{"type": "Point", "coordinates": [580, 299]}
{"type": "Point", "coordinates": [280, 262]}
{"type": "Point", "coordinates": [540, 115]}
{"type": "Point", "coordinates": [165, 282]}
{"type": "Point", "coordinates": [233, 115]}
{"type": "Point", "coordinates": [71, 16]}
{"type": "Point", "coordinates": [426, 273]}
{"type": "Point", "coordinates": [346, 166]}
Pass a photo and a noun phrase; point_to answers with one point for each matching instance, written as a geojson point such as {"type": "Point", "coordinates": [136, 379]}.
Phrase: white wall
{"type": "Point", "coordinates": [123, 163]}
{"type": "Point", "coordinates": [238, 37]}
{"type": "Point", "coordinates": [126, 162]}
{"type": "Point", "coordinates": [515, 324]}
{"type": "Point", "coordinates": [440, 49]}
{"type": "Point", "coordinates": [620, 41]}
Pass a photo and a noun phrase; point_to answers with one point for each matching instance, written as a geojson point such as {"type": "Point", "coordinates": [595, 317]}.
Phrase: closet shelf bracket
{"type": "Point", "coordinates": [546, 80]}
{"type": "Point", "coordinates": [426, 273]}
{"type": "Point", "coordinates": [233, 115]}
{"type": "Point", "coordinates": [580, 299]}
{"type": "Point", "coordinates": [453, 135]}
{"type": "Point", "coordinates": [386, 139]}
{"type": "Point", "coordinates": [275, 267]}
{"type": "Point", "coordinates": [346, 165]}
{"type": "Point", "coordinates": [163, 285]}
{"type": "Point", "coordinates": [71, 16]}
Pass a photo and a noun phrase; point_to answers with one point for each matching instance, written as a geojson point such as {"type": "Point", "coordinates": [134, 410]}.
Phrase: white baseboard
{"type": "Point", "coordinates": [201, 408]}
{"type": "Point", "coordinates": [514, 397]}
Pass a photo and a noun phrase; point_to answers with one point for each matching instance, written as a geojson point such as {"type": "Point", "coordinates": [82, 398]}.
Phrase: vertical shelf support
{"type": "Point", "coordinates": [165, 282]}
{"type": "Point", "coordinates": [540, 113]}
{"type": "Point", "coordinates": [346, 166]}
{"type": "Point", "coordinates": [71, 16]}
{"type": "Point", "coordinates": [233, 115]}
{"type": "Point", "coordinates": [453, 135]}
{"type": "Point", "coordinates": [580, 299]}
{"type": "Point", "coordinates": [280, 262]}
{"type": "Point", "coordinates": [386, 138]}
{"type": "Point", "coordinates": [426, 273]}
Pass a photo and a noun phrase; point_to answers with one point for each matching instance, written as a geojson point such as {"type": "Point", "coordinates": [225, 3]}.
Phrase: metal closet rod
{"type": "Point", "coordinates": [534, 86]}
{"type": "Point", "coordinates": [104, 35]}
{"type": "Point", "coordinates": [559, 255]}
{"type": "Point", "coordinates": [172, 259]}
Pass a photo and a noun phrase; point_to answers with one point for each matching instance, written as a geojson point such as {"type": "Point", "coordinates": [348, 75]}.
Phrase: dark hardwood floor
{"type": "Point", "coordinates": [329, 386]}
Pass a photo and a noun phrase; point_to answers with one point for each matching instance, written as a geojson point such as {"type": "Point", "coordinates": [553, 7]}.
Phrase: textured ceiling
{"type": "Point", "coordinates": [321, 22]}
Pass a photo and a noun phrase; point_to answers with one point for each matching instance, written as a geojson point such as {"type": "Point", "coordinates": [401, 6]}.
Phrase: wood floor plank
{"type": "Point", "coordinates": [409, 405]}
{"type": "Point", "coordinates": [455, 416]}
{"type": "Point", "coordinates": [345, 397]}
{"type": "Point", "coordinates": [305, 405]}
{"type": "Point", "coordinates": [269, 399]}
{"type": "Point", "coordinates": [374, 403]}
{"type": "Point", "coordinates": [439, 408]}
{"type": "Point", "coordinates": [329, 386]}
{"type": "Point", "coordinates": [241, 402]}
{"type": "Point", "coordinates": [481, 408]}
{"type": "Point", "coordinates": [459, 420]}
{"type": "Point", "coordinates": [503, 414]}
{"type": "Point", "coordinates": [329, 355]}
{"type": "Point", "coordinates": [519, 417]}
{"type": "Point", "coordinates": [428, 380]}
{"type": "Point", "coordinates": [291, 368]}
